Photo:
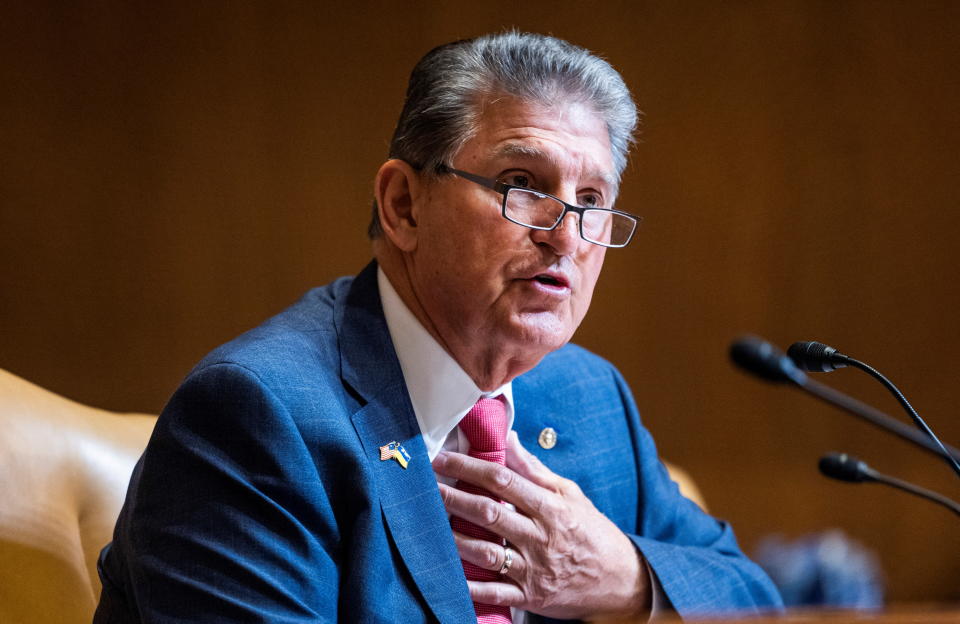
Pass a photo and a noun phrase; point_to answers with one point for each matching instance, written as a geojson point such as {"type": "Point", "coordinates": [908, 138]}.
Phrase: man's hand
{"type": "Point", "coordinates": [570, 561]}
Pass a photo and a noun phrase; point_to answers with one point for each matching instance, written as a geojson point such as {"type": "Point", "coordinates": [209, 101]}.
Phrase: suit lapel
{"type": "Point", "coordinates": [409, 498]}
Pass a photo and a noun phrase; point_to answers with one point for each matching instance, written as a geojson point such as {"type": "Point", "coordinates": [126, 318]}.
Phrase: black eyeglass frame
{"type": "Point", "coordinates": [503, 188]}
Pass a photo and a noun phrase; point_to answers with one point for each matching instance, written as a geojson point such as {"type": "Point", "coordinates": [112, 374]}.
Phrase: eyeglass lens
{"type": "Point", "coordinates": [540, 211]}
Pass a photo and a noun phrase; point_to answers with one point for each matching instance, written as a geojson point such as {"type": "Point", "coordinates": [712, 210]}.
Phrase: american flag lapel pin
{"type": "Point", "coordinates": [394, 450]}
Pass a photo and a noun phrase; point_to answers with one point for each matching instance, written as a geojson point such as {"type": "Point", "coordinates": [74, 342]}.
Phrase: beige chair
{"type": "Point", "coordinates": [64, 469]}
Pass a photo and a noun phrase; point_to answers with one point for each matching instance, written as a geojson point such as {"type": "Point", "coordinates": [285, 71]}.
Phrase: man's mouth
{"type": "Point", "coordinates": [551, 280]}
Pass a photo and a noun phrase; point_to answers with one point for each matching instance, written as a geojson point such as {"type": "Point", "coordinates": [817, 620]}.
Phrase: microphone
{"type": "Point", "coordinates": [818, 357]}
{"type": "Point", "coordinates": [761, 359]}
{"type": "Point", "coordinates": [843, 467]}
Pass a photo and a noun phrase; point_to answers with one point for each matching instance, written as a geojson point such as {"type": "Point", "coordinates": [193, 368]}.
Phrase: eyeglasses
{"type": "Point", "coordinates": [541, 211]}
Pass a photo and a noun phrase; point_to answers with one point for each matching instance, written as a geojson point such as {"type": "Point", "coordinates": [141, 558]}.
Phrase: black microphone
{"type": "Point", "coordinates": [818, 357]}
{"type": "Point", "coordinates": [761, 359]}
{"type": "Point", "coordinates": [843, 467]}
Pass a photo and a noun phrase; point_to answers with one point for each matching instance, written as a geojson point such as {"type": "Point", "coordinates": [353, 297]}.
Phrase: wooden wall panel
{"type": "Point", "coordinates": [169, 176]}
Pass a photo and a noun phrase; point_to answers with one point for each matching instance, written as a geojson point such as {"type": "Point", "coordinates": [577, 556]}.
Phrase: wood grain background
{"type": "Point", "coordinates": [170, 176]}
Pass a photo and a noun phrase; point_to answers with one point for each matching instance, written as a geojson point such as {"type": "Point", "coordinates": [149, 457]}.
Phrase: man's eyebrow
{"type": "Point", "coordinates": [519, 149]}
{"type": "Point", "coordinates": [534, 153]}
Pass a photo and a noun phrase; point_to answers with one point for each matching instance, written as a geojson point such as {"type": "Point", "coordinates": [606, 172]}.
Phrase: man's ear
{"type": "Point", "coordinates": [397, 189]}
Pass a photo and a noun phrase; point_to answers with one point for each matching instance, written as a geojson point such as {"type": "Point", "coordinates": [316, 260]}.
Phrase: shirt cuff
{"type": "Point", "coordinates": [659, 603]}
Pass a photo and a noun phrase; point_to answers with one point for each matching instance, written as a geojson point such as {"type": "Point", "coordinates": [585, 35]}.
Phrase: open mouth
{"type": "Point", "coordinates": [549, 280]}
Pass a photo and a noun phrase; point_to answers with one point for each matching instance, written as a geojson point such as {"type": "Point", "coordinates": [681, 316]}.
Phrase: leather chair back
{"type": "Point", "coordinates": [64, 470]}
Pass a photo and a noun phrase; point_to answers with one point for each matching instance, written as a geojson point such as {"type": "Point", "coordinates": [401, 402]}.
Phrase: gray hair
{"type": "Point", "coordinates": [442, 107]}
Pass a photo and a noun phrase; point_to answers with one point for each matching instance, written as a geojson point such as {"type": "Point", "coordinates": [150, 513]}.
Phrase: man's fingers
{"type": "Point", "coordinates": [480, 553]}
{"type": "Point", "coordinates": [488, 555]}
{"type": "Point", "coordinates": [499, 480]}
{"type": "Point", "coordinates": [489, 514]}
{"type": "Point", "coordinates": [492, 592]}
{"type": "Point", "coordinates": [526, 464]}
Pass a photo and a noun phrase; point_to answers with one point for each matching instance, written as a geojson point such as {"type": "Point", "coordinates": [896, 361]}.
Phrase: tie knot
{"type": "Point", "coordinates": [485, 425]}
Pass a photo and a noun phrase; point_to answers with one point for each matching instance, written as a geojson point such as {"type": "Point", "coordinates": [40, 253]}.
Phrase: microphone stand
{"type": "Point", "coordinates": [870, 414]}
{"type": "Point", "coordinates": [950, 458]}
{"type": "Point", "coordinates": [906, 486]}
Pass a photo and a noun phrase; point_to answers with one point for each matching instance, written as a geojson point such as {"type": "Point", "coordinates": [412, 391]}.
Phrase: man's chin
{"type": "Point", "coordinates": [542, 332]}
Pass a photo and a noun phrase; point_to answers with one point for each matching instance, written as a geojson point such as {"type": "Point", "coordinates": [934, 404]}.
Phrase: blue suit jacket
{"type": "Point", "coordinates": [261, 496]}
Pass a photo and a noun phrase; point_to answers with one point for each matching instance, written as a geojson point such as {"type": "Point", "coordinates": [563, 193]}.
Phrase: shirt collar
{"type": "Point", "coordinates": [440, 390]}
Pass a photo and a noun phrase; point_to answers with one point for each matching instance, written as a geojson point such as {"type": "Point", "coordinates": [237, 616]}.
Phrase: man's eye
{"type": "Point", "coordinates": [517, 179]}
{"type": "Point", "coordinates": [591, 200]}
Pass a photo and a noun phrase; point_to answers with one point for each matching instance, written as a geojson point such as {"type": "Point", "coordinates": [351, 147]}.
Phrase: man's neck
{"type": "Point", "coordinates": [490, 368]}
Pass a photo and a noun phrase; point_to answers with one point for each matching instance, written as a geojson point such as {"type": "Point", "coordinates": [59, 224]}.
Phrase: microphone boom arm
{"type": "Point", "coordinates": [917, 490]}
{"type": "Point", "coordinates": [949, 456]}
{"type": "Point", "coordinates": [873, 416]}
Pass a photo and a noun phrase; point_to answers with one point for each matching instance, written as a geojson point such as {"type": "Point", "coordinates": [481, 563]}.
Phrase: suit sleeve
{"type": "Point", "coordinates": [226, 519]}
{"type": "Point", "coordinates": [694, 556]}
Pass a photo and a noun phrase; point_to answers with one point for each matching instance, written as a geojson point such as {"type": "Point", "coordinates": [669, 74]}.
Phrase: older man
{"type": "Point", "coordinates": [311, 469]}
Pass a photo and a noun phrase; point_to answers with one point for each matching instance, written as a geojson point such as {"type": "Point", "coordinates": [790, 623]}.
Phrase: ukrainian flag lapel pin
{"type": "Point", "coordinates": [394, 450]}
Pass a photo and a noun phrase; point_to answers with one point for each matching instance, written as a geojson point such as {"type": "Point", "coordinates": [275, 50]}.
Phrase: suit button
{"type": "Point", "coordinates": [547, 438]}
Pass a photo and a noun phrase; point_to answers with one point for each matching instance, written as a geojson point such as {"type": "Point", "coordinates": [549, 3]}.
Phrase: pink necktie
{"type": "Point", "coordinates": [485, 426]}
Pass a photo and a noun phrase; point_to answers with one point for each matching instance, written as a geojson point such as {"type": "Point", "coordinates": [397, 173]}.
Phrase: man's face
{"type": "Point", "coordinates": [488, 284]}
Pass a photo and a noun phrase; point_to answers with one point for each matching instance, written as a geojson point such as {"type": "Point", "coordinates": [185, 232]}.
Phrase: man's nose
{"type": "Point", "coordinates": [564, 239]}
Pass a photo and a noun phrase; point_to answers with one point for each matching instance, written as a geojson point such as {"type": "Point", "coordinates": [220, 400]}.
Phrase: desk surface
{"type": "Point", "coordinates": [913, 614]}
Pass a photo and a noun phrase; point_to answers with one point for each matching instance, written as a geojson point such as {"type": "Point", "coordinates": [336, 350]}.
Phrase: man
{"type": "Point", "coordinates": [294, 475]}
